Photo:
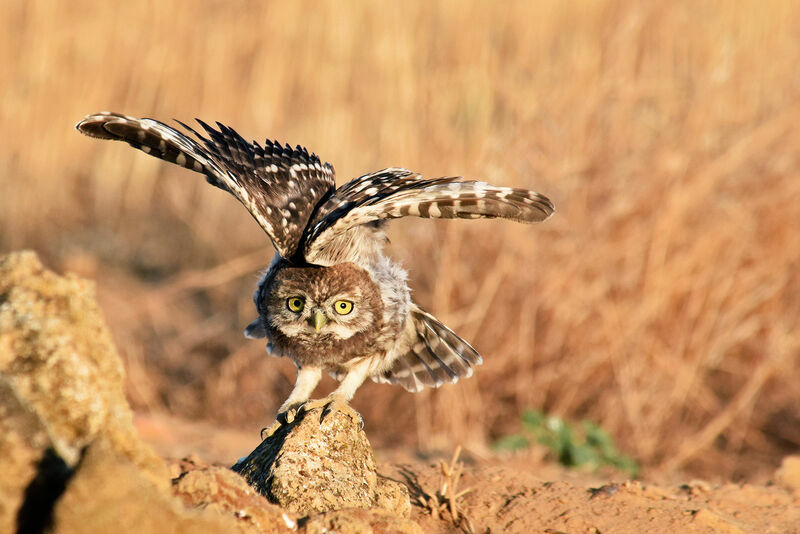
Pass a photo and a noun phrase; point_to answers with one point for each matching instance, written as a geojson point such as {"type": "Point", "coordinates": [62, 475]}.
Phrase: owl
{"type": "Point", "coordinates": [331, 299]}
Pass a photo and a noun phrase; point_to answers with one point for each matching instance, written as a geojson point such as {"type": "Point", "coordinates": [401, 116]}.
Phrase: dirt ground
{"type": "Point", "coordinates": [524, 493]}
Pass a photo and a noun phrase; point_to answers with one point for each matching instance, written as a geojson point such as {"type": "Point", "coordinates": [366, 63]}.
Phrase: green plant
{"type": "Point", "coordinates": [587, 445]}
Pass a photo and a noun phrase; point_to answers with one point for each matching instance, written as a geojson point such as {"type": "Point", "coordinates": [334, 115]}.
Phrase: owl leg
{"type": "Point", "coordinates": [339, 399]}
{"type": "Point", "coordinates": [307, 380]}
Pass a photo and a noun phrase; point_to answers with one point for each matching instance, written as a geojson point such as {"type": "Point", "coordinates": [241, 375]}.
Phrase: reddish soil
{"type": "Point", "coordinates": [526, 494]}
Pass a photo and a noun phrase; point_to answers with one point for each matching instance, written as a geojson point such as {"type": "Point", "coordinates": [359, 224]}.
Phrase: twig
{"type": "Point", "coordinates": [447, 496]}
{"type": "Point", "coordinates": [725, 418]}
{"type": "Point", "coordinates": [221, 274]}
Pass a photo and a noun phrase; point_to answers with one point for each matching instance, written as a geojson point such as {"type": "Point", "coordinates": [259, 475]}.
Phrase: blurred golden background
{"type": "Point", "coordinates": [661, 300]}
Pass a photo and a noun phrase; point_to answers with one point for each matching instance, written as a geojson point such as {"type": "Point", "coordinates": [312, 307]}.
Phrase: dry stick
{"type": "Point", "coordinates": [156, 299]}
{"type": "Point", "coordinates": [199, 332]}
{"type": "Point", "coordinates": [423, 418]}
{"type": "Point", "coordinates": [447, 473]}
{"type": "Point", "coordinates": [489, 289]}
{"type": "Point", "coordinates": [702, 439]}
{"type": "Point", "coordinates": [446, 498]}
{"type": "Point", "coordinates": [448, 493]}
{"type": "Point", "coordinates": [448, 256]}
{"type": "Point", "coordinates": [221, 274]}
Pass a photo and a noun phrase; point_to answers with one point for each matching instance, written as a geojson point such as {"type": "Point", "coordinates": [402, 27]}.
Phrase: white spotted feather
{"type": "Point", "coordinates": [278, 185]}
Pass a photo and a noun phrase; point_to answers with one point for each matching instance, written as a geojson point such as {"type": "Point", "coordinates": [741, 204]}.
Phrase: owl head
{"type": "Point", "coordinates": [321, 308]}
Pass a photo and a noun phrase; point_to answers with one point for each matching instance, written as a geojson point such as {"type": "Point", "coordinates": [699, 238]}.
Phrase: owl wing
{"type": "Point", "coordinates": [435, 355]}
{"type": "Point", "coordinates": [278, 185]}
{"type": "Point", "coordinates": [394, 192]}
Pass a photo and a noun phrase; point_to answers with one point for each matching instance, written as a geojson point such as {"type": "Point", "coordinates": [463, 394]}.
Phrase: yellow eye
{"type": "Point", "coordinates": [343, 307]}
{"type": "Point", "coordinates": [295, 304]}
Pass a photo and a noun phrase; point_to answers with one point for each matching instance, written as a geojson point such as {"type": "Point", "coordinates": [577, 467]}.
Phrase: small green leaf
{"type": "Point", "coordinates": [586, 445]}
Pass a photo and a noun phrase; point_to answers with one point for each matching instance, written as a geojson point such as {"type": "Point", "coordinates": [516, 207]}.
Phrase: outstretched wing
{"type": "Point", "coordinates": [393, 193]}
{"type": "Point", "coordinates": [278, 185]}
{"type": "Point", "coordinates": [436, 355]}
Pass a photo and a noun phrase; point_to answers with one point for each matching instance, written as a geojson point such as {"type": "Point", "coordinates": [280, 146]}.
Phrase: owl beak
{"type": "Point", "coordinates": [318, 319]}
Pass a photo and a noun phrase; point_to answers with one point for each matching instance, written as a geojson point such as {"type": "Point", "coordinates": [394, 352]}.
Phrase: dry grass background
{"type": "Point", "coordinates": [662, 299]}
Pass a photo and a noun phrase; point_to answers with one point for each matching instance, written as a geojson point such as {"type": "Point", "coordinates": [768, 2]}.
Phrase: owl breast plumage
{"type": "Point", "coordinates": [331, 299]}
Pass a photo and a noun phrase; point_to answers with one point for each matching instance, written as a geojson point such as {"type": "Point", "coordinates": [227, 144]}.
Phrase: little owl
{"type": "Point", "coordinates": [331, 299]}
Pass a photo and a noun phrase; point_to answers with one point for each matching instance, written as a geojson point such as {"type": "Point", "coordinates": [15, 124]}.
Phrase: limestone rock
{"type": "Point", "coordinates": [109, 493]}
{"type": "Point", "coordinates": [32, 474]}
{"type": "Point", "coordinates": [70, 458]}
{"type": "Point", "coordinates": [788, 474]}
{"type": "Point", "coordinates": [57, 354]}
{"type": "Point", "coordinates": [355, 521]}
{"type": "Point", "coordinates": [319, 464]}
{"type": "Point", "coordinates": [221, 490]}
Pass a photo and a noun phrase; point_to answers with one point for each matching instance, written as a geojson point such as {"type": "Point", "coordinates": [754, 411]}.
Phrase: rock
{"type": "Point", "coordinates": [61, 388]}
{"type": "Point", "coordinates": [109, 493]}
{"type": "Point", "coordinates": [391, 495]}
{"type": "Point", "coordinates": [57, 354]}
{"type": "Point", "coordinates": [32, 474]}
{"type": "Point", "coordinates": [788, 474]}
{"type": "Point", "coordinates": [70, 458]}
{"type": "Point", "coordinates": [321, 464]}
{"type": "Point", "coordinates": [356, 521]}
{"type": "Point", "coordinates": [715, 522]}
{"type": "Point", "coordinates": [223, 491]}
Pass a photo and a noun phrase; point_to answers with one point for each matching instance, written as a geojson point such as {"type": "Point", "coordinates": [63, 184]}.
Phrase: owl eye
{"type": "Point", "coordinates": [343, 307]}
{"type": "Point", "coordinates": [295, 304]}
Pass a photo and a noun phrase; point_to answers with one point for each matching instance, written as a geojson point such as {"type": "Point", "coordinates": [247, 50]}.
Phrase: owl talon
{"type": "Point", "coordinates": [289, 415]}
{"type": "Point", "coordinates": [331, 404]}
{"type": "Point", "coordinates": [284, 418]}
{"type": "Point", "coordinates": [268, 431]}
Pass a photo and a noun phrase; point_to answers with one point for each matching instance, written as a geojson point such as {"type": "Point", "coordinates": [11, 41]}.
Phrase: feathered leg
{"type": "Point", "coordinates": [307, 380]}
{"type": "Point", "coordinates": [339, 399]}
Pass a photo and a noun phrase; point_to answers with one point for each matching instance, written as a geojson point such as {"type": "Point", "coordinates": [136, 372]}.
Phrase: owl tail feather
{"type": "Point", "coordinates": [436, 355]}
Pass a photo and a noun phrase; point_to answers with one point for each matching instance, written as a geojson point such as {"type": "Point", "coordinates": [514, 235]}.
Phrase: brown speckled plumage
{"type": "Point", "coordinates": [329, 245]}
{"type": "Point", "coordinates": [321, 284]}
